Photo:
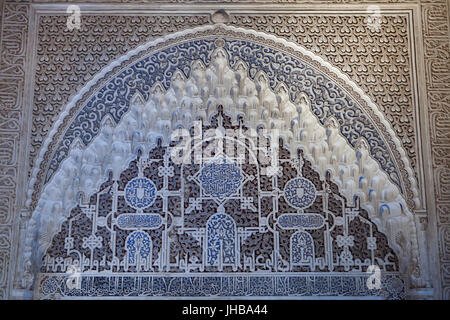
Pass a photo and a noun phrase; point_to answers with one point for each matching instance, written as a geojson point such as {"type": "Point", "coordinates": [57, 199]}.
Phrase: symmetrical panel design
{"type": "Point", "coordinates": [234, 232]}
{"type": "Point", "coordinates": [247, 98]}
{"type": "Point", "coordinates": [296, 94]}
{"type": "Point", "coordinates": [380, 61]}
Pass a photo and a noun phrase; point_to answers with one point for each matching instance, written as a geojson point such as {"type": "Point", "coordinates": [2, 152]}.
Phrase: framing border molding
{"type": "Point", "coordinates": [419, 16]}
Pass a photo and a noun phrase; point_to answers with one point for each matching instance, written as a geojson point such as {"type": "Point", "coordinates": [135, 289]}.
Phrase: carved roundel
{"type": "Point", "coordinates": [300, 193]}
{"type": "Point", "coordinates": [140, 193]}
{"type": "Point", "coordinates": [220, 179]}
{"type": "Point", "coordinates": [49, 286]}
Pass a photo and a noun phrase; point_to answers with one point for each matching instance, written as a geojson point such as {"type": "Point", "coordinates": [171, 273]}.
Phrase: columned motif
{"type": "Point", "coordinates": [252, 234]}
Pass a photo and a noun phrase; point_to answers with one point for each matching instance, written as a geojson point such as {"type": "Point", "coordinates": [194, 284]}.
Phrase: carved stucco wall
{"type": "Point", "coordinates": [233, 64]}
{"type": "Point", "coordinates": [42, 69]}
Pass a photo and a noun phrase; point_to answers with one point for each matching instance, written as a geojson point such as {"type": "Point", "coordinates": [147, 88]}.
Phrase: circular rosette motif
{"type": "Point", "coordinates": [300, 193]}
{"type": "Point", "coordinates": [140, 193]}
{"type": "Point", "coordinates": [220, 179]}
{"type": "Point", "coordinates": [49, 286]}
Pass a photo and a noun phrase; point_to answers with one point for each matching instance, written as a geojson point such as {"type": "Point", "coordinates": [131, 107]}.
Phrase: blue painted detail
{"type": "Point", "coordinates": [140, 193]}
{"type": "Point", "coordinates": [220, 179]}
{"type": "Point", "coordinates": [221, 239]}
{"type": "Point", "coordinates": [300, 193]}
{"type": "Point", "coordinates": [132, 221]}
{"type": "Point", "coordinates": [306, 221]}
{"type": "Point", "coordinates": [327, 97]}
{"type": "Point", "coordinates": [139, 244]}
{"type": "Point", "coordinates": [302, 248]}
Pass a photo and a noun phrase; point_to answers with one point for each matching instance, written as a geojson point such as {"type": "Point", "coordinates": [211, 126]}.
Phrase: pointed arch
{"type": "Point", "coordinates": [302, 249]}
{"type": "Point", "coordinates": [210, 72]}
{"type": "Point", "coordinates": [398, 169]}
{"type": "Point", "coordinates": [139, 249]}
{"type": "Point", "coordinates": [221, 241]}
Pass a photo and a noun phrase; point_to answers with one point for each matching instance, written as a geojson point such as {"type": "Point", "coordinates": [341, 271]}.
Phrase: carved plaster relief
{"type": "Point", "coordinates": [368, 57]}
{"type": "Point", "coordinates": [245, 90]}
{"type": "Point", "coordinates": [388, 81]}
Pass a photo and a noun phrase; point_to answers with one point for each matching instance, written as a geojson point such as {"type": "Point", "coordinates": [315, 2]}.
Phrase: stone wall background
{"type": "Point", "coordinates": [16, 136]}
